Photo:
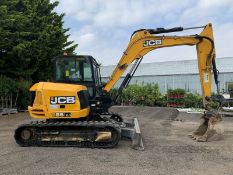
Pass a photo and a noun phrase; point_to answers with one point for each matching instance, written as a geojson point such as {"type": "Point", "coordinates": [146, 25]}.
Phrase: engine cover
{"type": "Point", "coordinates": [59, 100]}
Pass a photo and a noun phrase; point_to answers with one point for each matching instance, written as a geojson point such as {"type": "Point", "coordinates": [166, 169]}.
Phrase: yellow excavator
{"type": "Point", "coordinates": [74, 108]}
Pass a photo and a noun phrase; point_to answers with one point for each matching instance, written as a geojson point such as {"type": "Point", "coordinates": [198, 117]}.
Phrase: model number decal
{"type": "Point", "coordinates": [62, 100]}
{"type": "Point", "coordinates": [206, 77]}
{"type": "Point", "coordinates": [62, 114]}
{"type": "Point", "coordinates": [152, 43]}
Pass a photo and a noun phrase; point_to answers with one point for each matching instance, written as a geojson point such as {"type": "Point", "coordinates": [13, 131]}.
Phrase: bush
{"type": "Point", "coordinates": [193, 100]}
{"type": "Point", "coordinates": [25, 96]}
{"type": "Point", "coordinates": [148, 95]}
{"type": "Point", "coordinates": [7, 86]}
{"type": "Point", "coordinates": [176, 91]}
{"type": "Point", "coordinates": [13, 93]}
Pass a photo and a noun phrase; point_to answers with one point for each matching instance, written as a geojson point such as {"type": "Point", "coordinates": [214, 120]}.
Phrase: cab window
{"type": "Point", "coordinates": [73, 70]}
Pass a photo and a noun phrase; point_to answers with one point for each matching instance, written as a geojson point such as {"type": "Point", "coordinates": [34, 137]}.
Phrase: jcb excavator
{"type": "Point", "coordinates": [75, 106]}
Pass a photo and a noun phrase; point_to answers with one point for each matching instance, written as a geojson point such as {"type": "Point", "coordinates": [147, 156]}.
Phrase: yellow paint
{"type": "Point", "coordinates": [45, 90]}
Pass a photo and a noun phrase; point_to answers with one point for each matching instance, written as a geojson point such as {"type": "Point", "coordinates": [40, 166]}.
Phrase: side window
{"type": "Point", "coordinates": [61, 70]}
{"type": "Point", "coordinates": [87, 72]}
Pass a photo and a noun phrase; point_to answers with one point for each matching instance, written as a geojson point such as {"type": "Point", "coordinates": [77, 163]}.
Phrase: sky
{"type": "Point", "coordinates": [102, 28]}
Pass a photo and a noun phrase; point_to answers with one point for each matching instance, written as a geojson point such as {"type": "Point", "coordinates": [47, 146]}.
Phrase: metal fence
{"type": "Point", "coordinates": [8, 104]}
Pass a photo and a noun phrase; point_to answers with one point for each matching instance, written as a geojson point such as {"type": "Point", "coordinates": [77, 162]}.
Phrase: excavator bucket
{"type": "Point", "coordinates": [210, 128]}
{"type": "Point", "coordinates": [132, 131]}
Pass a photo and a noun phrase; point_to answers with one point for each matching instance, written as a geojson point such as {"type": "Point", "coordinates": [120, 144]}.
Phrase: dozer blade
{"type": "Point", "coordinates": [210, 129]}
{"type": "Point", "coordinates": [132, 131]}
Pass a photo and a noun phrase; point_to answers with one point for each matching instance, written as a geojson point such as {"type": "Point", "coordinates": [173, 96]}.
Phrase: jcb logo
{"type": "Point", "coordinates": [152, 43]}
{"type": "Point", "coordinates": [62, 100]}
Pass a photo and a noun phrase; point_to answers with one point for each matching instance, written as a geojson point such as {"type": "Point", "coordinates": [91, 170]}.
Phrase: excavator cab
{"type": "Point", "coordinates": [77, 69]}
{"type": "Point", "coordinates": [83, 70]}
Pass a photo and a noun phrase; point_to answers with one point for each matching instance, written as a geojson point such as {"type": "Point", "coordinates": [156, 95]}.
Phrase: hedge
{"type": "Point", "coordinates": [150, 95]}
{"type": "Point", "coordinates": [146, 95]}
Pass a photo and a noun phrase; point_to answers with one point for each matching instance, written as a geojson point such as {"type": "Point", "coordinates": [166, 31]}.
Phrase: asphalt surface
{"type": "Point", "coordinates": [168, 149]}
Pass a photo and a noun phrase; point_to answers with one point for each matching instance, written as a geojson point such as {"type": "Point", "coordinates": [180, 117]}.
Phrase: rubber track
{"type": "Point", "coordinates": [95, 125]}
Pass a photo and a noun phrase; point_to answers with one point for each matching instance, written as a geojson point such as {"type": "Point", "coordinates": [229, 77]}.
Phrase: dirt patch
{"type": "Point", "coordinates": [168, 149]}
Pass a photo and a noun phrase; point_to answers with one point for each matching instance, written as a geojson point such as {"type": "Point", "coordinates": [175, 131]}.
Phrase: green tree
{"type": "Point", "coordinates": [31, 33]}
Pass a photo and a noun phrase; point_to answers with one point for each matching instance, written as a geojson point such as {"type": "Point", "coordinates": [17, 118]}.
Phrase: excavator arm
{"type": "Point", "coordinates": [144, 41]}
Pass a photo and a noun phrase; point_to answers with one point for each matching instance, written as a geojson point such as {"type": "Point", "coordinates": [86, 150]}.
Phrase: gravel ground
{"type": "Point", "coordinates": [168, 149]}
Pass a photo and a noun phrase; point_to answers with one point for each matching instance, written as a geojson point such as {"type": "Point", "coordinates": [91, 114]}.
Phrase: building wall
{"type": "Point", "coordinates": [189, 82]}
{"type": "Point", "coordinates": [176, 74]}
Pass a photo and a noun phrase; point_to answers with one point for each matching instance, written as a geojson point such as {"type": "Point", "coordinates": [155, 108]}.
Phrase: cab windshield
{"type": "Point", "coordinates": [73, 70]}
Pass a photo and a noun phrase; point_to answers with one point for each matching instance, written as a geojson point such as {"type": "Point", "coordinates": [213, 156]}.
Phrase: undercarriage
{"type": "Point", "coordinates": [86, 134]}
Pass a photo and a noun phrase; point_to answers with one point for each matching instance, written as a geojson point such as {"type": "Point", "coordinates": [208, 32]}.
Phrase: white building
{"type": "Point", "coordinates": [177, 74]}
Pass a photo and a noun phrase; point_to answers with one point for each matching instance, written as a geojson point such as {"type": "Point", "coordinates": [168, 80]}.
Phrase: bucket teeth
{"type": "Point", "coordinates": [210, 128]}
